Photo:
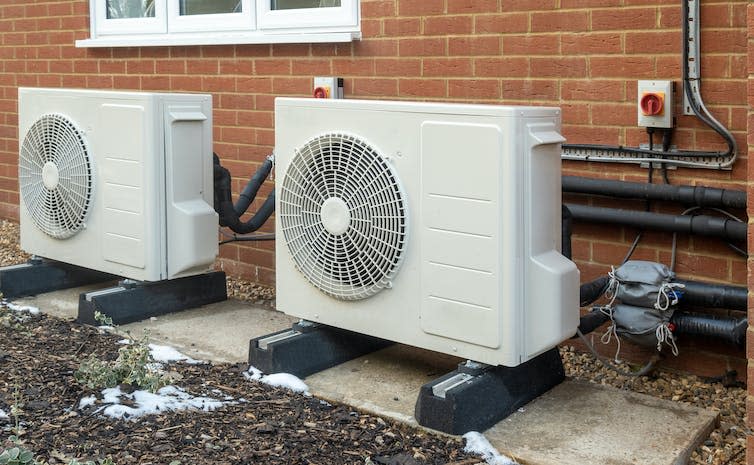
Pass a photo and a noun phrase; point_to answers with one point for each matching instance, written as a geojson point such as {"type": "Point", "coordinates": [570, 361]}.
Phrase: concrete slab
{"type": "Point", "coordinates": [583, 423]}
{"type": "Point", "coordinates": [576, 423]}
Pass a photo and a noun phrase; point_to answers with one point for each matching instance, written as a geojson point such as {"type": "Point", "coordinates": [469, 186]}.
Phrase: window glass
{"type": "Point", "coordinates": [118, 9]}
{"type": "Point", "coordinates": [297, 4]}
{"type": "Point", "coordinates": [208, 7]}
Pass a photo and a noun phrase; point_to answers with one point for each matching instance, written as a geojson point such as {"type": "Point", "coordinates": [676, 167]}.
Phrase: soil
{"type": "Point", "coordinates": [272, 426]}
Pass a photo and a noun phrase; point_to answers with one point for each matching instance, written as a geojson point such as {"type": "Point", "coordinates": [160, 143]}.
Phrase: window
{"type": "Point", "coordinates": [207, 22]}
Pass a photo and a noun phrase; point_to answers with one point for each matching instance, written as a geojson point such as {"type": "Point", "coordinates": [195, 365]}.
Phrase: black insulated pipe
{"type": "Point", "coordinates": [249, 192]}
{"type": "Point", "coordinates": [702, 225]}
{"type": "Point", "coordinates": [727, 329]}
{"type": "Point", "coordinates": [713, 295]}
{"type": "Point", "coordinates": [565, 232]}
{"type": "Point", "coordinates": [593, 290]}
{"type": "Point", "coordinates": [699, 196]}
{"type": "Point", "coordinates": [224, 204]}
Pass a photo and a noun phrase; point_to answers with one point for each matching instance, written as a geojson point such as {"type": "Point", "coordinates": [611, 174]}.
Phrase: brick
{"type": "Point", "coordinates": [375, 87]}
{"type": "Point", "coordinates": [528, 90]}
{"type": "Point", "coordinates": [501, 67]}
{"type": "Point", "coordinates": [435, 67]}
{"type": "Point", "coordinates": [638, 67]}
{"type": "Point", "coordinates": [394, 27]}
{"type": "Point", "coordinates": [503, 23]}
{"type": "Point", "coordinates": [272, 66]}
{"type": "Point", "coordinates": [528, 5]}
{"type": "Point", "coordinates": [474, 89]}
{"type": "Point", "coordinates": [378, 9]}
{"type": "Point", "coordinates": [560, 21]}
{"type": "Point", "coordinates": [422, 47]}
{"type": "Point", "coordinates": [400, 67]}
{"type": "Point", "coordinates": [591, 43]}
{"type": "Point", "coordinates": [528, 45]}
{"type": "Point", "coordinates": [422, 8]}
{"type": "Point", "coordinates": [593, 90]}
{"type": "Point", "coordinates": [559, 67]}
{"type": "Point", "coordinates": [353, 66]}
{"type": "Point", "coordinates": [652, 42]}
{"type": "Point", "coordinates": [422, 88]}
{"type": "Point", "coordinates": [610, 114]}
{"type": "Point", "coordinates": [623, 18]}
{"type": "Point", "coordinates": [474, 45]}
{"type": "Point", "coordinates": [448, 25]}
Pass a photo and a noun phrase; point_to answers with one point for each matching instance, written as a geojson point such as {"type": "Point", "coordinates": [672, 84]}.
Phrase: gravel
{"type": "Point", "coordinates": [725, 446]}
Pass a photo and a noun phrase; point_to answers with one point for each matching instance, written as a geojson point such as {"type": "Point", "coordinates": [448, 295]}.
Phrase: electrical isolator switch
{"type": "Point", "coordinates": [655, 105]}
{"type": "Point", "coordinates": [327, 87]}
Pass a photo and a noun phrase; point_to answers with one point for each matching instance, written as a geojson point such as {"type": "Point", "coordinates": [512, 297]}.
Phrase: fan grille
{"type": "Point", "coordinates": [55, 176]}
{"type": "Point", "coordinates": [343, 215]}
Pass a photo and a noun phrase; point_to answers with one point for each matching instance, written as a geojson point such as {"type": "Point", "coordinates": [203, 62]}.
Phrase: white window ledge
{"type": "Point", "coordinates": [162, 40]}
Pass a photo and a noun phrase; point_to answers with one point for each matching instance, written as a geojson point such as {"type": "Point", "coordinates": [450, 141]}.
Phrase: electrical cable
{"type": "Point", "coordinates": [726, 159]}
{"type": "Point", "coordinates": [248, 238]}
{"type": "Point", "coordinates": [610, 365]}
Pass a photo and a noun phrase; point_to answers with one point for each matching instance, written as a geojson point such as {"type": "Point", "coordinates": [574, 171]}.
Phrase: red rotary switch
{"type": "Point", "coordinates": [652, 103]}
{"type": "Point", "coordinates": [320, 92]}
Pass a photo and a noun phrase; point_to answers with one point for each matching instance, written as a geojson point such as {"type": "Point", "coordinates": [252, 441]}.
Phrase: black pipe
{"type": "Point", "coordinates": [249, 192]}
{"type": "Point", "coordinates": [693, 294]}
{"type": "Point", "coordinates": [728, 329]}
{"type": "Point", "coordinates": [699, 196]}
{"type": "Point", "coordinates": [593, 290]}
{"type": "Point", "coordinates": [713, 295]}
{"type": "Point", "coordinates": [224, 204]}
{"type": "Point", "coordinates": [702, 225]}
{"type": "Point", "coordinates": [565, 231]}
{"type": "Point", "coordinates": [591, 321]}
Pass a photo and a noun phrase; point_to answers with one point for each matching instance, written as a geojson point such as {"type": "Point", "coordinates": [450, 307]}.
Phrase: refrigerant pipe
{"type": "Point", "coordinates": [699, 196]}
{"type": "Point", "coordinates": [703, 225]}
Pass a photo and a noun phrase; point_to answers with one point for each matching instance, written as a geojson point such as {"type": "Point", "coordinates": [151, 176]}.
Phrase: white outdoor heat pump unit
{"type": "Point", "coordinates": [119, 182]}
{"type": "Point", "coordinates": [433, 225]}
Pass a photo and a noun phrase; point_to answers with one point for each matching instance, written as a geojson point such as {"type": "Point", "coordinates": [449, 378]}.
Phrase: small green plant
{"type": "Point", "coordinates": [134, 365]}
{"type": "Point", "coordinates": [17, 456]}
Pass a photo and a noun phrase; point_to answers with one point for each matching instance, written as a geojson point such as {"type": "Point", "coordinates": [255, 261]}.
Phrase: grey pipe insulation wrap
{"type": "Point", "coordinates": [699, 196]}
{"type": "Point", "coordinates": [727, 329]}
{"type": "Point", "coordinates": [703, 225]}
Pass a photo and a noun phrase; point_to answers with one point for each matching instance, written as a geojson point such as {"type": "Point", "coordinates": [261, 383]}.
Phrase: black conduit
{"type": "Point", "coordinates": [688, 195]}
{"type": "Point", "coordinates": [731, 330]}
{"type": "Point", "coordinates": [566, 227]}
{"type": "Point", "coordinates": [249, 192]}
{"type": "Point", "coordinates": [702, 225]}
{"type": "Point", "coordinates": [593, 290]}
{"type": "Point", "coordinates": [706, 295]}
{"type": "Point", "coordinates": [226, 210]}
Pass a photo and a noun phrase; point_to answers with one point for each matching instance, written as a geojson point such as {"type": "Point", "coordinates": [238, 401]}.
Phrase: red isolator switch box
{"type": "Point", "coordinates": [327, 87]}
{"type": "Point", "coordinates": [655, 104]}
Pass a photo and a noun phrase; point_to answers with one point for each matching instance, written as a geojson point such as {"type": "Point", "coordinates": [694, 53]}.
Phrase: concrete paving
{"type": "Point", "coordinates": [576, 423]}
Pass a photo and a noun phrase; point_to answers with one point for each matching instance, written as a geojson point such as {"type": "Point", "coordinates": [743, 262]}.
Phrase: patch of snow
{"type": "Point", "coordinates": [87, 401]}
{"type": "Point", "coordinates": [168, 354]}
{"type": "Point", "coordinates": [125, 342]}
{"type": "Point", "coordinates": [22, 308]}
{"type": "Point", "coordinates": [477, 444]}
{"type": "Point", "coordinates": [3, 415]}
{"type": "Point", "coordinates": [109, 329]}
{"type": "Point", "coordinates": [284, 380]}
{"type": "Point", "coordinates": [167, 399]}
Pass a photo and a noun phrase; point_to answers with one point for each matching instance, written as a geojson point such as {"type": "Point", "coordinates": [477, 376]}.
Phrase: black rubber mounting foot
{"type": "Point", "coordinates": [38, 276]}
{"type": "Point", "coordinates": [476, 397]}
{"type": "Point", "coordinates": [308, 348]}
{"type": "Point", "coordinates": [135, 301]}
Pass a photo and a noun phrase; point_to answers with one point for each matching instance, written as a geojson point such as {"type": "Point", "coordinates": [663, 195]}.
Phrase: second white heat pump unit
{"type": "Point", "coordinates": [433, 225]}
{"type": "Point", "coordinates": [119, 182]}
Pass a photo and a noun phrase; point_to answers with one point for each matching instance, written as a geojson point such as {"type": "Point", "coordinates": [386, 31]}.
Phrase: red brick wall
{"type": "Point", "coordinates": [582, 55]}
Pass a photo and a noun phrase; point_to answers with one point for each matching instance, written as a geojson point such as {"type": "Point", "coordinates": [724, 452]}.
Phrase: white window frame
{"type": "Point", "coordinates": [343, 16]}
{"type": "Point", "coordinates": [241, 21]}
{"type": "Point", "coordinates": [256, 24]}
{"type": "Point", "coordinates": [153, 25]}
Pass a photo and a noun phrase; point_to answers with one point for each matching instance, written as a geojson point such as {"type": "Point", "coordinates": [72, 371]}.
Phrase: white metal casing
{"type": "Point", "coordinates": [482, 276]}
{"type": "Point", "coordinates": [151, 216]}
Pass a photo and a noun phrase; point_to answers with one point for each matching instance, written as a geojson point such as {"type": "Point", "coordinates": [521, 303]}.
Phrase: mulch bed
{"type": "Point", "coordinates": [273, 426]}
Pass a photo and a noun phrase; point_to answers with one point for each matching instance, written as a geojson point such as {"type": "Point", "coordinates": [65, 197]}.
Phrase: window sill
{"type": "Point", "coordinates": [178, 39]}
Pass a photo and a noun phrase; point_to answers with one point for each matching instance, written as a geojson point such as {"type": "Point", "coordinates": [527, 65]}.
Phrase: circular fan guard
{"type": "Point", "coordinates": [344, 217]}
{"type": "Point", "coordinates": [55, 176]}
